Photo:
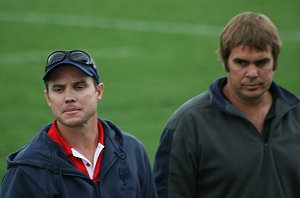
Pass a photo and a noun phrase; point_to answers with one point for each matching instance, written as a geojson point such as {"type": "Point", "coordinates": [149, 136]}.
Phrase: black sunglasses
{"type": "Point", "coordinates": [74, 55]}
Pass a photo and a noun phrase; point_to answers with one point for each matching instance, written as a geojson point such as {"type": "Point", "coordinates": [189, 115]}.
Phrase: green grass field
{"type": "Point", "coordinates": [152, 56]}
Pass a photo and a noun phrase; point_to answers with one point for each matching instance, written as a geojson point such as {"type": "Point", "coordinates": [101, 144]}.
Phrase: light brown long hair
{"type": "Point", "coordinates": [253, 30]}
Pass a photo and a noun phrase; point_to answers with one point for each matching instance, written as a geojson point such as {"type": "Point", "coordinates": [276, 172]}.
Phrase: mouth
{"type": "Point", "coordinates": [252, 86]}
{"type": "Point", "coordinates": [71, 110]}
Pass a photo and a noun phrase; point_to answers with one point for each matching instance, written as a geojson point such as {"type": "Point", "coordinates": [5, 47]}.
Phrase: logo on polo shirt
{"type": "Point", "coordinates": [126, 179]}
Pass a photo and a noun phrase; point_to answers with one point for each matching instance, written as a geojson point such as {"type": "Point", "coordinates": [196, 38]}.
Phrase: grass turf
{"type": "Point", "coordinates": [152, 56]}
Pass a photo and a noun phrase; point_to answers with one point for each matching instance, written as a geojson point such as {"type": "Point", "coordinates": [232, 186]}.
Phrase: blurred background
{"type": "Point", "coordinates": [152, 56]}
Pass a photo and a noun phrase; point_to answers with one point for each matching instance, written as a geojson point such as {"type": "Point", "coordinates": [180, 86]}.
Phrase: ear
{"type": "Point", "coordinates": [46, 94]}
{"type": "Point", "coordinates": [100, 90]}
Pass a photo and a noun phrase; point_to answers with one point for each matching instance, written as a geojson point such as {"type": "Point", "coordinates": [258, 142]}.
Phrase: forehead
{"type": "Point", "coordinates": [246, 52]}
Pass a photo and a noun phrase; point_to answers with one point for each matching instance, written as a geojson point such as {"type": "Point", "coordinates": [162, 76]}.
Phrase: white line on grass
{"type": "Point", "coordinates": [40, 56]}
{"type": "Point", "coordinates": [123, 24]}
{"type": "Point", "coordinates": [100, 22]}
{"type": "Point", "coordinates": [120, 24]}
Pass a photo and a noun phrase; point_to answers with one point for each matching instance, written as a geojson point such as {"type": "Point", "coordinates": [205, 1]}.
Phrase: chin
{"type": "Point", "coordinates": [71, 123]}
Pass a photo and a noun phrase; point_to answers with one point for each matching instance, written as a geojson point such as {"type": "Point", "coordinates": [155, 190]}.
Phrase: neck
{"type": "Point", "coordinates": [83, 138]}
{"type": "Point", "coordinates": [249, 105]}
{"type": "Point", "coordinates": [255, 110]}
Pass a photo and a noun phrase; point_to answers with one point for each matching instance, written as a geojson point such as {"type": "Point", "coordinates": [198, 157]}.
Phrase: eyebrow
{"type": "Point", "coordinates": [73, 84]}
{"type": "Point", "coordinates": [240, 59]}
{"type": "Point", "coordinates": [262, 60]}
{"type": "Point", "coordinates": [79, 82]}
{"type": "Point", "coordinates": [266, 59]}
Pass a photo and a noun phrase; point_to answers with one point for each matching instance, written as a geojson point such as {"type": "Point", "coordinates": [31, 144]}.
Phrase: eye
{"type": "Point", "coordinates": [80, 86]}
{"type": "Point", "coordinates": [57, 89]}
{"type": "Point", "coordinates": [241, 62]}
{"type": "Point", "coordinates": [262, 62]}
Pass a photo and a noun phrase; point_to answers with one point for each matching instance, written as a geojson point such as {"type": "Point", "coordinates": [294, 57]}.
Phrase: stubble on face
{"type": "Point", "coordinates": [72, 97]}
{"type": "Point", "coordinates": [250, 74]}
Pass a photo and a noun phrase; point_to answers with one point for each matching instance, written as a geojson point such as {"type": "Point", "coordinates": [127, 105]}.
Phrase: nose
{"type": "Point", "coordinates": [252, 71]}
{"type": "Point", "coordinates": [69, 96]}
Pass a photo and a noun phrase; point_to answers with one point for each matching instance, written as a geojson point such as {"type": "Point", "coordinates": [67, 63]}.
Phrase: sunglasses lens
{"type": "Point", "coordinates": [55, 57]}
{"type": "Point", "coordinates": [80, 56]}
{"type": "Point", "coordinates": [77, 58]}
{"type": "Point", "coordinates": [74, 55]}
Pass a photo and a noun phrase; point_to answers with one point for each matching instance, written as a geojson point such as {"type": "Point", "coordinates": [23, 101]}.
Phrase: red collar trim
{"type": "Point", "coordinates": [56, 137]}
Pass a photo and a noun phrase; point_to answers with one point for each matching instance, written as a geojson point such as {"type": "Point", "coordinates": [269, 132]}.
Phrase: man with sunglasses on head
{"type": "Point", "coordinates": [78, 154]}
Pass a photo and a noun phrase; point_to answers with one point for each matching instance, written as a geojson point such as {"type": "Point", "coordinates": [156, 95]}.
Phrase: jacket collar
{"type": "Point", "coordinates": [218, 99]}
{"type": "Point", "coordinates": [42, 152]}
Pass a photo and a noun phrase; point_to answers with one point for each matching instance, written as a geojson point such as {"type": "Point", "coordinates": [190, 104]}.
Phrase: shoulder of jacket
{"type": "Point", "coordinates": [194, 105]}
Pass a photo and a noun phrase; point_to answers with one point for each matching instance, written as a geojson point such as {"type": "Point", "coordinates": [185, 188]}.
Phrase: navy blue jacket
{"type": "Point", "coordinates": [41, 169]}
